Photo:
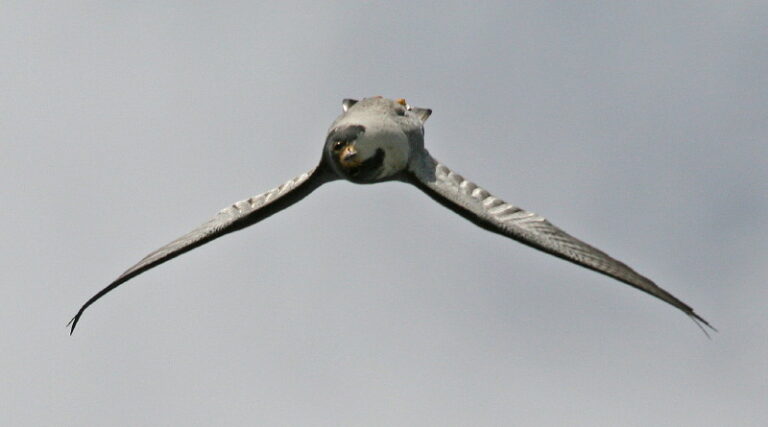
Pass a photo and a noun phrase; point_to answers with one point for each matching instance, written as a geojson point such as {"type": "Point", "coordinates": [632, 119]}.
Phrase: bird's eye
{"type": "Point", "coordinates": [337, 145]}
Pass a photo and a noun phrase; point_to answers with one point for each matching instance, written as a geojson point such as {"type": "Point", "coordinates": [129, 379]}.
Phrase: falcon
{"type": "Point", "coordinates": [378, 140]}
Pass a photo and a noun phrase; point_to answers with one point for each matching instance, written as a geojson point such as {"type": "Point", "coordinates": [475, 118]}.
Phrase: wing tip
{"type": "Point", "coordinates": [73, 322]}
{"type": "Point", "coordinates": [701, 323]}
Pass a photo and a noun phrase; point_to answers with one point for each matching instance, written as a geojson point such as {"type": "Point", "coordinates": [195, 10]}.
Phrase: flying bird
{"type": "Point", "coordinates": [378, 140]}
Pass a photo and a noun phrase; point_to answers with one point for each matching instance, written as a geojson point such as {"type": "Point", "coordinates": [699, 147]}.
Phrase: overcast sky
{"type": "Point", "coordinates": [640, 128]}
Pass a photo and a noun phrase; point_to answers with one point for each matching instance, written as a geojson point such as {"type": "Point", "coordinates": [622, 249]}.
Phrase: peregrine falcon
{"type": "Point", "coordinates": [378, 140]}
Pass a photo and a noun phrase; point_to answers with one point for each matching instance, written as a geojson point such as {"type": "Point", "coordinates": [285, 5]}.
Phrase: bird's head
{"type": "Point", "coordinates": [374, 138]}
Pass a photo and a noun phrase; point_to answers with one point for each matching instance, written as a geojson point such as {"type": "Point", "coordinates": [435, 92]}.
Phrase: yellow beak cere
{"type": "Point", "coordinates": [348, 157]}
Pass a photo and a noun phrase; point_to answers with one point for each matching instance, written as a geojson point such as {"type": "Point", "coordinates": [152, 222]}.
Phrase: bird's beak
{"type": "Point", "coordinates": [348, 157]}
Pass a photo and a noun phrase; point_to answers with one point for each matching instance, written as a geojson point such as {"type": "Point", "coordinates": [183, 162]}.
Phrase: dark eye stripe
{"type": "Point", "coordinates": [346, 133]}
{"type": "Point", "coordinates": [374, 162]}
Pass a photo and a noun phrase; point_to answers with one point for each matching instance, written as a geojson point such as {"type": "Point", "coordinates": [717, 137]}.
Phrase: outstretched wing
{"type": "Point", "coordinates": [232, 218]}
{"type": "Point", "coordinates": [477, 205]}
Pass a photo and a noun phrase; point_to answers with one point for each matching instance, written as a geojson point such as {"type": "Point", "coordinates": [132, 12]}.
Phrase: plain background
{"type": "Point", "coordinates": [639, 127]}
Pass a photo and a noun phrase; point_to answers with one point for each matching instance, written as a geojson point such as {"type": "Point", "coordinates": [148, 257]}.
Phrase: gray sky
{"type": "Point", "coordinates": [640, 128]}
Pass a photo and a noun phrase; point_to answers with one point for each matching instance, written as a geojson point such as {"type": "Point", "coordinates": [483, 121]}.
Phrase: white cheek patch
{"type": "Point", "coordinates": [395, 146]}
{"type": "Point", "coordinates": [396, 158]}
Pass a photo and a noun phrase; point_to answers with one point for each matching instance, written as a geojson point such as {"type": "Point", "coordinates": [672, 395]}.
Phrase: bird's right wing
{"type": "Point", "coordinates": [232, 218]}
{"type": "Point", "coordinates": [493, 214]}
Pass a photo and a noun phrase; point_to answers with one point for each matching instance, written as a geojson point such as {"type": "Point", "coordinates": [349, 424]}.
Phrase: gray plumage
{"type": "Point", "coordinates": [376, 140]}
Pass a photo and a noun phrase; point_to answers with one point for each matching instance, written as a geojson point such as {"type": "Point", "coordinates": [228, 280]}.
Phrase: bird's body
{"type": "Point", "coordinates": [376, 140]}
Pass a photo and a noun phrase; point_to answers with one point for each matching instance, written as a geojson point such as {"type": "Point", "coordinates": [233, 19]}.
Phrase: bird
{"type": "Point", "coordinates": [375, 140]}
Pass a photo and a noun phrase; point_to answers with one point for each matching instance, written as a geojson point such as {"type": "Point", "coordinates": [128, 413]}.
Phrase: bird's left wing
{"type": "Point", "coordinates": [232, 218]}
{"type": "Point", "coordinates": [477, 205]}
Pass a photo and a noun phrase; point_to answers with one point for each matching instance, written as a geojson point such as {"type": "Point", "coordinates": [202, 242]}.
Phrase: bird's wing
{"type": "Point", "coordinates": [232, 218]}
{"type": "Point", "coordinates": [477, 205]}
